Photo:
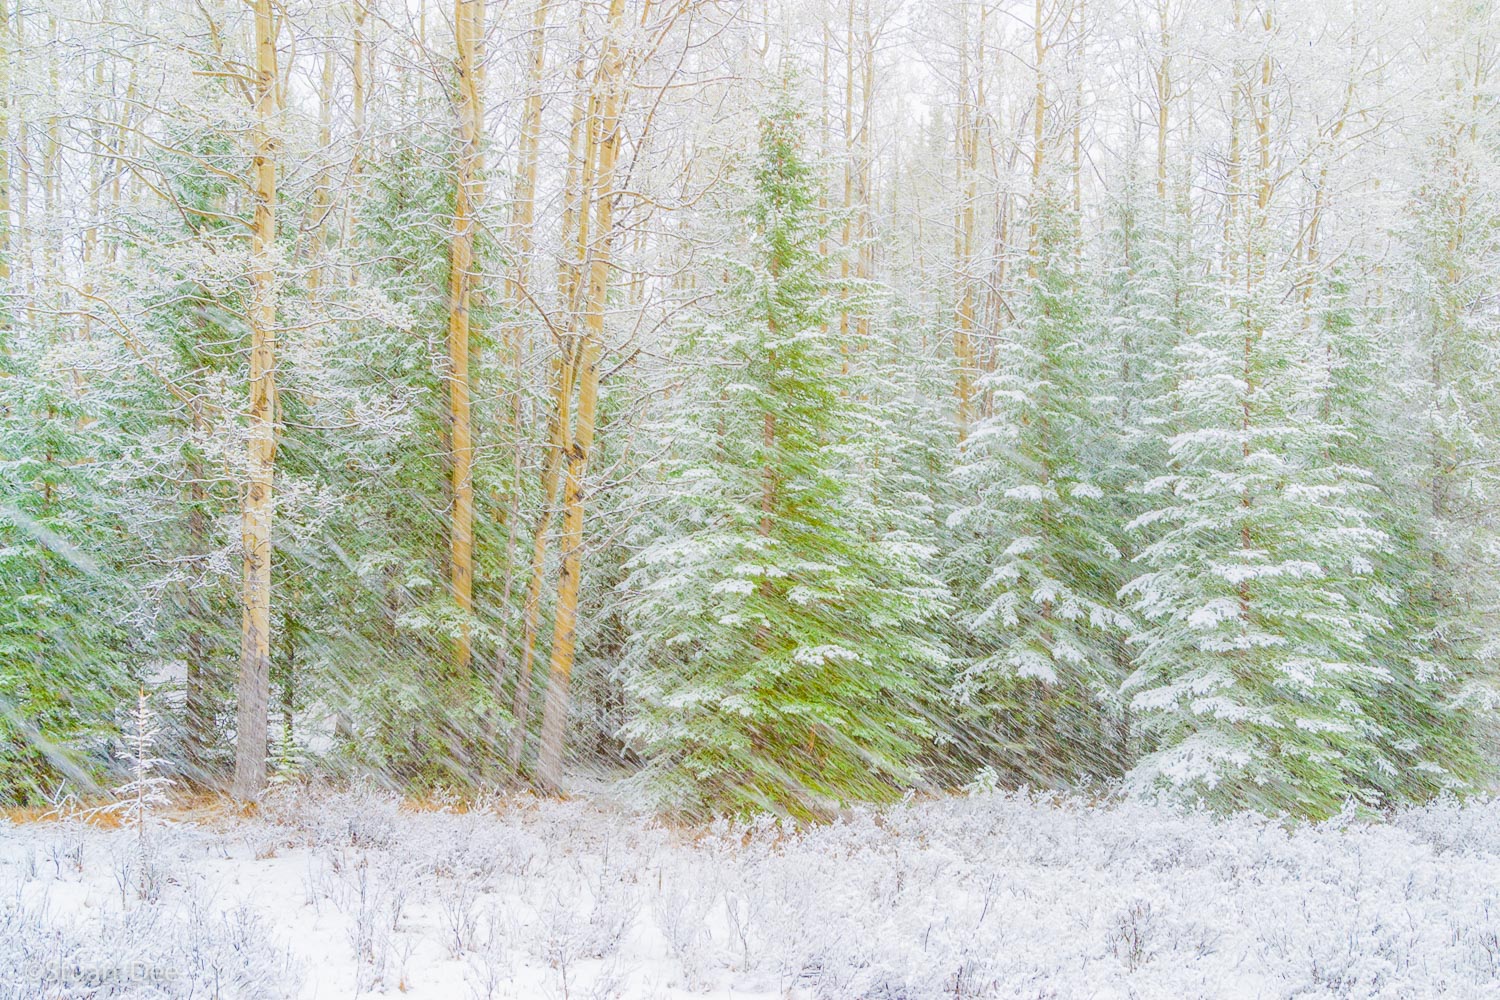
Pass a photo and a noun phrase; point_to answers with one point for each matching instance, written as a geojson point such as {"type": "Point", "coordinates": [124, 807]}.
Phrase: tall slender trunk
{"type": "Point", "coordinates": [521, 238]}
{"type": "Point", "coordinates": [198, 693]}
{"type": "Point", "coordinates": [255, 630]}
{"type": "Point", "coordinates": [578, 179]}
{"type": "Point", "coordinates": [825, 142]}
{"type": "Point", "coordinates": [6, 46]}
{"type": "Point", "coordinates": [564, 634]}
{"type": "Point", "coordinates": [359, 86]}
{"type": "Point", "coordinates": [1259, 104]}
{"type": "Point", "coordinates": [1163, 99]}
{"type": "Point", "coordinates": [468, 29]}
{"type": "Point", "coordinates": [532, 603]}
{"type": "Point", "coordinates": [1038, 130]}
{"type": "Point", "coordinates": [1077, 163]}
{"type": "Point", "coordinates": [1236, 156]}
{"type": "Point", "coordinates": [963, 240]}
{"type": "Point", "coordinates": [98, 149]}
{"type": "Point", "coordinates": [20, 246]}
{"type": "Point", "coordinates": [524, 202]}
{"type": "Point", "coordinates": [323, 195]}
{"type": "Point", "coordinates": [288, 688]}
{"type": "Point", "coordinates": [47, 243]}
{"type": "Point", "coordinates": [846, 240]}
{"type": "Point", "coordinates": [864, 185]}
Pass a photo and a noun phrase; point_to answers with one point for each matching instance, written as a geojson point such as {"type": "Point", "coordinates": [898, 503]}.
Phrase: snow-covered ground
{"type": "Point", "coordinates": [350, 894]}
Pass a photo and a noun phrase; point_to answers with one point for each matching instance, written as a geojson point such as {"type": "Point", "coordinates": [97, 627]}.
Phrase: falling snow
{"type": "Point", "coordinates": [995, 895]}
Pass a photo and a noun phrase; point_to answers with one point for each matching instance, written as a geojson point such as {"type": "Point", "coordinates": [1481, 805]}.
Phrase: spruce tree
{"type": "Point", "coordinates": [1425, 737]}
{"type": "Point", "coordinates": [1254, 674]}
{"type": "Point", "coordinates": [777, 655]}
{"type": "Point", "coordinates": [62, 650]}
{"type": "Point", "coordinates": [1034, 563]}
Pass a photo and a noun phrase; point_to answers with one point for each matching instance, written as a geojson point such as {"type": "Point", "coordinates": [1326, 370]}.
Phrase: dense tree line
{"type": "Point", "coordinates": [787, 405]}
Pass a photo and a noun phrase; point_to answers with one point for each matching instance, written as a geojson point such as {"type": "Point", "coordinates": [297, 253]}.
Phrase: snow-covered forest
{"type": "Point", "coordinates": [751, 411]}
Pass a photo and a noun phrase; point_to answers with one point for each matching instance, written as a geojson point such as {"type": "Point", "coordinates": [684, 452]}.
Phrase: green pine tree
{"type": "Point", "coordinates": [1033, 560]}
{"type": "Point", "coordinates": [1254, 676]}
{"type": "Point", "coordinates": [778, 655]}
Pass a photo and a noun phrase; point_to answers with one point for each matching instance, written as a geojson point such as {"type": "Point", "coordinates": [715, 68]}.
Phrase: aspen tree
{"type": "Point", "coordinates": [1038, 126]}
{"type": "Point", "coordinates": [1237, 96]}
{"type": "Point", "coordinates": [253, 687]}
{"type": "Point", "coordinates": [523, 204]}
{"type": "Point", "coordinates": [1079, 55]}
{"type": "Point", "coordinates": [604, 138]}
{"type": "Point", "coordinates": [359, 97]}
{"type": "Point", "coordinates": [575, 234]}
{"type": "Point", "coordinates": [522, 221]}
{"type": "Point", "coordinates": [846, 238]}
{"type": "Point", "coordinates": [98, 147]}
{"type": "Point", "coordinates": [864, 154]}
{"type": "Point", "coordinates": [468, 30]}
{"type": "Point", "coordinates": [557, 424]}
{"type": "Point", "coordinates": [20, 243]}
{"type": "Point", "coordinates": [6, 46]}
{"type": "Point", "coordinates": [966, 151]}
{"type": "Point", "coordinates": [825, 118]}
{"type": "Point", "coordinates": [323, 195]}
{"type": "Point", "coordinates": [51, 170]}
{"type": "Point", "coordinates": [1162, 75]}
{"type": "Point", "coordinates": [197, 707]}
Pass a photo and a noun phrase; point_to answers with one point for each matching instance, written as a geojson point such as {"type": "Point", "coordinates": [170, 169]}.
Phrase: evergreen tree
{"type": "Point", "coordinates": [1425, 736]}
{"type": "Point", "coordinates": [1153, 291]}
{"type": "Point", "coordinates": [1254, 676]}
{"type": "Point", "coordinates": [62, 650]}
{"type": "Point", "coordinates": [1034, 560]}
{"type": "Point", "coordinates": [414, 718]}
{"type": "Point", "coordinates": [777, 655]}
{"type": "Point", "coordinates": [1448, 330]}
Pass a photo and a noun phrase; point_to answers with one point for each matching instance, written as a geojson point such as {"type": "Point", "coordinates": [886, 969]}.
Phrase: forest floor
{"type": "Point", "coordinates": [355, 893]}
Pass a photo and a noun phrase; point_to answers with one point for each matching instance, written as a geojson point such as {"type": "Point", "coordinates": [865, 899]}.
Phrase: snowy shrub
{"type": "Point", "coordinates": [458, 907]}
{"type": "Point", "coordinates": [997, 896]}
{"type": "Point", "coordinates": [613, 911]}
{"type": "Point", "coordinates": [488, 964]}
{"type": "Point", "coordinates": [1449, 825]}
{"type": "Point", "coordinates": [681, 906]}
{"type": "Point", "coordinates": [66, 849]}
{"type": "Point", "coordinates": [371, 823]}
{"type": "Point", "coordinates": [144, 952]}
{"type": "Point", "coordinates": [140, 871]}
{"type": "Point", "coordinates": [559, 935]}
{"type": "Point", "coordinates": [367, 937]}
{"type": "Point", "coordinates": [1132, 933]}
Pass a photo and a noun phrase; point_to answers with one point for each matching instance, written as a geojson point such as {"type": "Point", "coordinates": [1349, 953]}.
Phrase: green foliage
{"type": "Point", "coordinates": [1254, 678]}
{"type": "Point", "coordinates": [778, 658]}
{"type": "Point", "coordinates": [62, 652]}
{"type": "Point", "coordinates": [1033, 555]}
{"type": "Point", "coordinates": [368, 577]}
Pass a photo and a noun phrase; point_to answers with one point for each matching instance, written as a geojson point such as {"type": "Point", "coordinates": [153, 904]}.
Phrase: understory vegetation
{"type": "Point", "coordinates": [993, 895]}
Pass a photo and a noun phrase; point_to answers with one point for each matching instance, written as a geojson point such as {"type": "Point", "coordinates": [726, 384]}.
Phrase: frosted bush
{"type": "Point", "coordinates": [613, 910]}
{"type": "Point", "coordinates": [680, 907]}
{"type": "Point", "coordinates": [144, 952]}
{"type": "Point", "coordinates": [489, 965]}
{"type": "Point", "coordinates": [458, 906]}
{"type": "Point", "coordinates": [979, 896]}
